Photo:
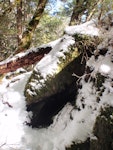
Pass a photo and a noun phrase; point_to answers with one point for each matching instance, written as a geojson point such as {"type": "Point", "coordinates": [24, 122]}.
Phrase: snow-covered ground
{"type": "Point", "coordinates": [69, 125]}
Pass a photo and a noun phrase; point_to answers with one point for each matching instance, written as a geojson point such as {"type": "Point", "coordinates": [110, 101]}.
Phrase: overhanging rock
{"type": "Point", "coordinates": [54, 72]}
{"type": "Point", "coordinates": [52, 81]}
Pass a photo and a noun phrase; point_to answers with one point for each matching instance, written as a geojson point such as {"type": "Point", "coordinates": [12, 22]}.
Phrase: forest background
{"type": "Point", "coordinates": [30, 23]}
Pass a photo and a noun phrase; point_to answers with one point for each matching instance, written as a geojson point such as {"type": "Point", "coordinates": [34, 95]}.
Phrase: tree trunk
{"type": "Point", "coordinates": [28, 33]}
{"type": "Point", "coordinates": [19, 21]}
{"type": "Point", "coordinates": [78, 9]}
{"type": "Point", "coordinates": [84, 7]}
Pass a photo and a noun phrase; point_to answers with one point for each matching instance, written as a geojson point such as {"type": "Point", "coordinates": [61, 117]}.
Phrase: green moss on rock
{"type": "Point", "coordinates": [53, 84]}
{"type": "Point", "coordinates": [38, 88]}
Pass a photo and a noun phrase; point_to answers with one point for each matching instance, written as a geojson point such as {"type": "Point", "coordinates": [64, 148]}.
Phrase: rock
{"type": "Point", "coordinates": [45, 96]}
{"type": "Point", "coordinates": [70, 61]}
{"type": "Point", "coordinates": [103, 130]}
{"type": "Point", "coordinates": [80, 146]}
{"type": "Point", "coordinates": [47, 108]}
{"type": "Point", "coordinates": [103, 133]}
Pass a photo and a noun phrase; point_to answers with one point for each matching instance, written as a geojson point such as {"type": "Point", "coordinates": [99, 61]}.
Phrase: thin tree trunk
{"type": "Point", "coordinates": [28, 33]}
{"type": "Point", "coordinates": [78, 11]}
{"type": "Point", "coordinates": [93, 9]}
{"type": "Point", "coordinates": [19, 21]}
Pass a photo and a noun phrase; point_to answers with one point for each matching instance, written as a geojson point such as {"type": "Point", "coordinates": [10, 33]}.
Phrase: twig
{"type": "Point", "coordinates": [6, 103]}
{"type": "Point", "coordinates": [2, 145]}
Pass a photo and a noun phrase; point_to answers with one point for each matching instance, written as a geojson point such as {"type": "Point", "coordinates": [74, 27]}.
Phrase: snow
{"type": "Point", "coordinates": [69, 124]}
{"type": "Point", "coordinates": [13, 116]}
{"type": "Point", "coordinates": [105, 68]}
{"type": "Point", "coordinates": [88, 28]}
{"type": "Point", "coordinates": [103, 65]}
{"type": "Point", "coordinates": [58, 48]}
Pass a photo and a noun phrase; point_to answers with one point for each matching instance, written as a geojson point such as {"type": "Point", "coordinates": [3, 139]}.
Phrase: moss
{"type": "Point", "coordinates": [83, 44]}
{"type": "Point", "coordinates": [86, 43]}
{"type": "Point", "coordinates": [99, 81]}
{"type": "Point", "coordinates": [68, 57]}
{"type": "Point", "coordinates": [1, 77]}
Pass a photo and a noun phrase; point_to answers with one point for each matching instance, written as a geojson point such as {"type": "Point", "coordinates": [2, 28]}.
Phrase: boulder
{"type": "Point", "coordinates": [53, 81]}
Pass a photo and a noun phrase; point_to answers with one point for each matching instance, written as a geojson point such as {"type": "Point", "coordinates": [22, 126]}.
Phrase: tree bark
{"type": "Point", "coordinates": [28, 33]}
{"type": "Point", "coordinates": [78, 9]}
{"type": "Point", "coordinates": [87, 7]}
{"type": "Point", "coordinates": [19, 21]}
{"type": "Point", "coordinates": [28, 59]}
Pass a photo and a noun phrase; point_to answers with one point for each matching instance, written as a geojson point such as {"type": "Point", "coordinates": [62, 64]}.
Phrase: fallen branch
{"type": "Point", "coordinates": [23, 59]}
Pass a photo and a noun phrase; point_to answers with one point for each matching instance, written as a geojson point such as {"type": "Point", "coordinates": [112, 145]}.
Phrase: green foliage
{"type": "Point", "coordinates": [49, 29]}
{"type": "Point", "coordinates": [51, 26]}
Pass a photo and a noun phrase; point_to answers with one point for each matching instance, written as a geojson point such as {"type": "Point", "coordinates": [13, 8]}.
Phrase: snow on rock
{"type": "Point", "coordinates": [48, 65]}
{"type": "Point", "coordinates": [88, 28]}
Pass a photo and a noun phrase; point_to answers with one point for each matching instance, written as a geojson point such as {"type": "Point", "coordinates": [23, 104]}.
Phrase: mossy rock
{"type": "Point", "coordinates": [103, 133]}
{"type": "Point", "coordinates": [103, 130]}
{"type": "Point", "coordinates": [55, 84]}
{"type": "Point", "coordinates": [73, 62]}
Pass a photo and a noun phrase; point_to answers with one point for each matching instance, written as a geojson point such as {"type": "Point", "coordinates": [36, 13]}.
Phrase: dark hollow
{"type": "Point", "coordinates": [47, 108]}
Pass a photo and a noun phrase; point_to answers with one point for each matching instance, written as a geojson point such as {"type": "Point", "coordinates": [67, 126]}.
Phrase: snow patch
{"type": "Point", "coordinates": [48, 65]}
{"type": "Point", "coordinates": [88, 28]}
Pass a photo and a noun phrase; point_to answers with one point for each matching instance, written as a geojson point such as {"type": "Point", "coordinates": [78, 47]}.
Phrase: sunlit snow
{"type": "Point", "coordinates": [48, 65]}
{"type": "Point", "coordinates": [88, 28]}
{"type": "Point", "coordinates": [105, 68]}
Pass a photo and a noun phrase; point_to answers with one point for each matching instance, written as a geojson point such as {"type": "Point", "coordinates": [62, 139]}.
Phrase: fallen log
{"type": "Point", "coordinates": [23, 59]}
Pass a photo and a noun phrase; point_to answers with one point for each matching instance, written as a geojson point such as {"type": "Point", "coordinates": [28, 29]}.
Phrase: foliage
{"type": "Point", "coordinates": [49, 29]}
{"type": "Point", "coordinates": [85, 10]}
{"type": "Point", "coordinates": [53, 21]}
